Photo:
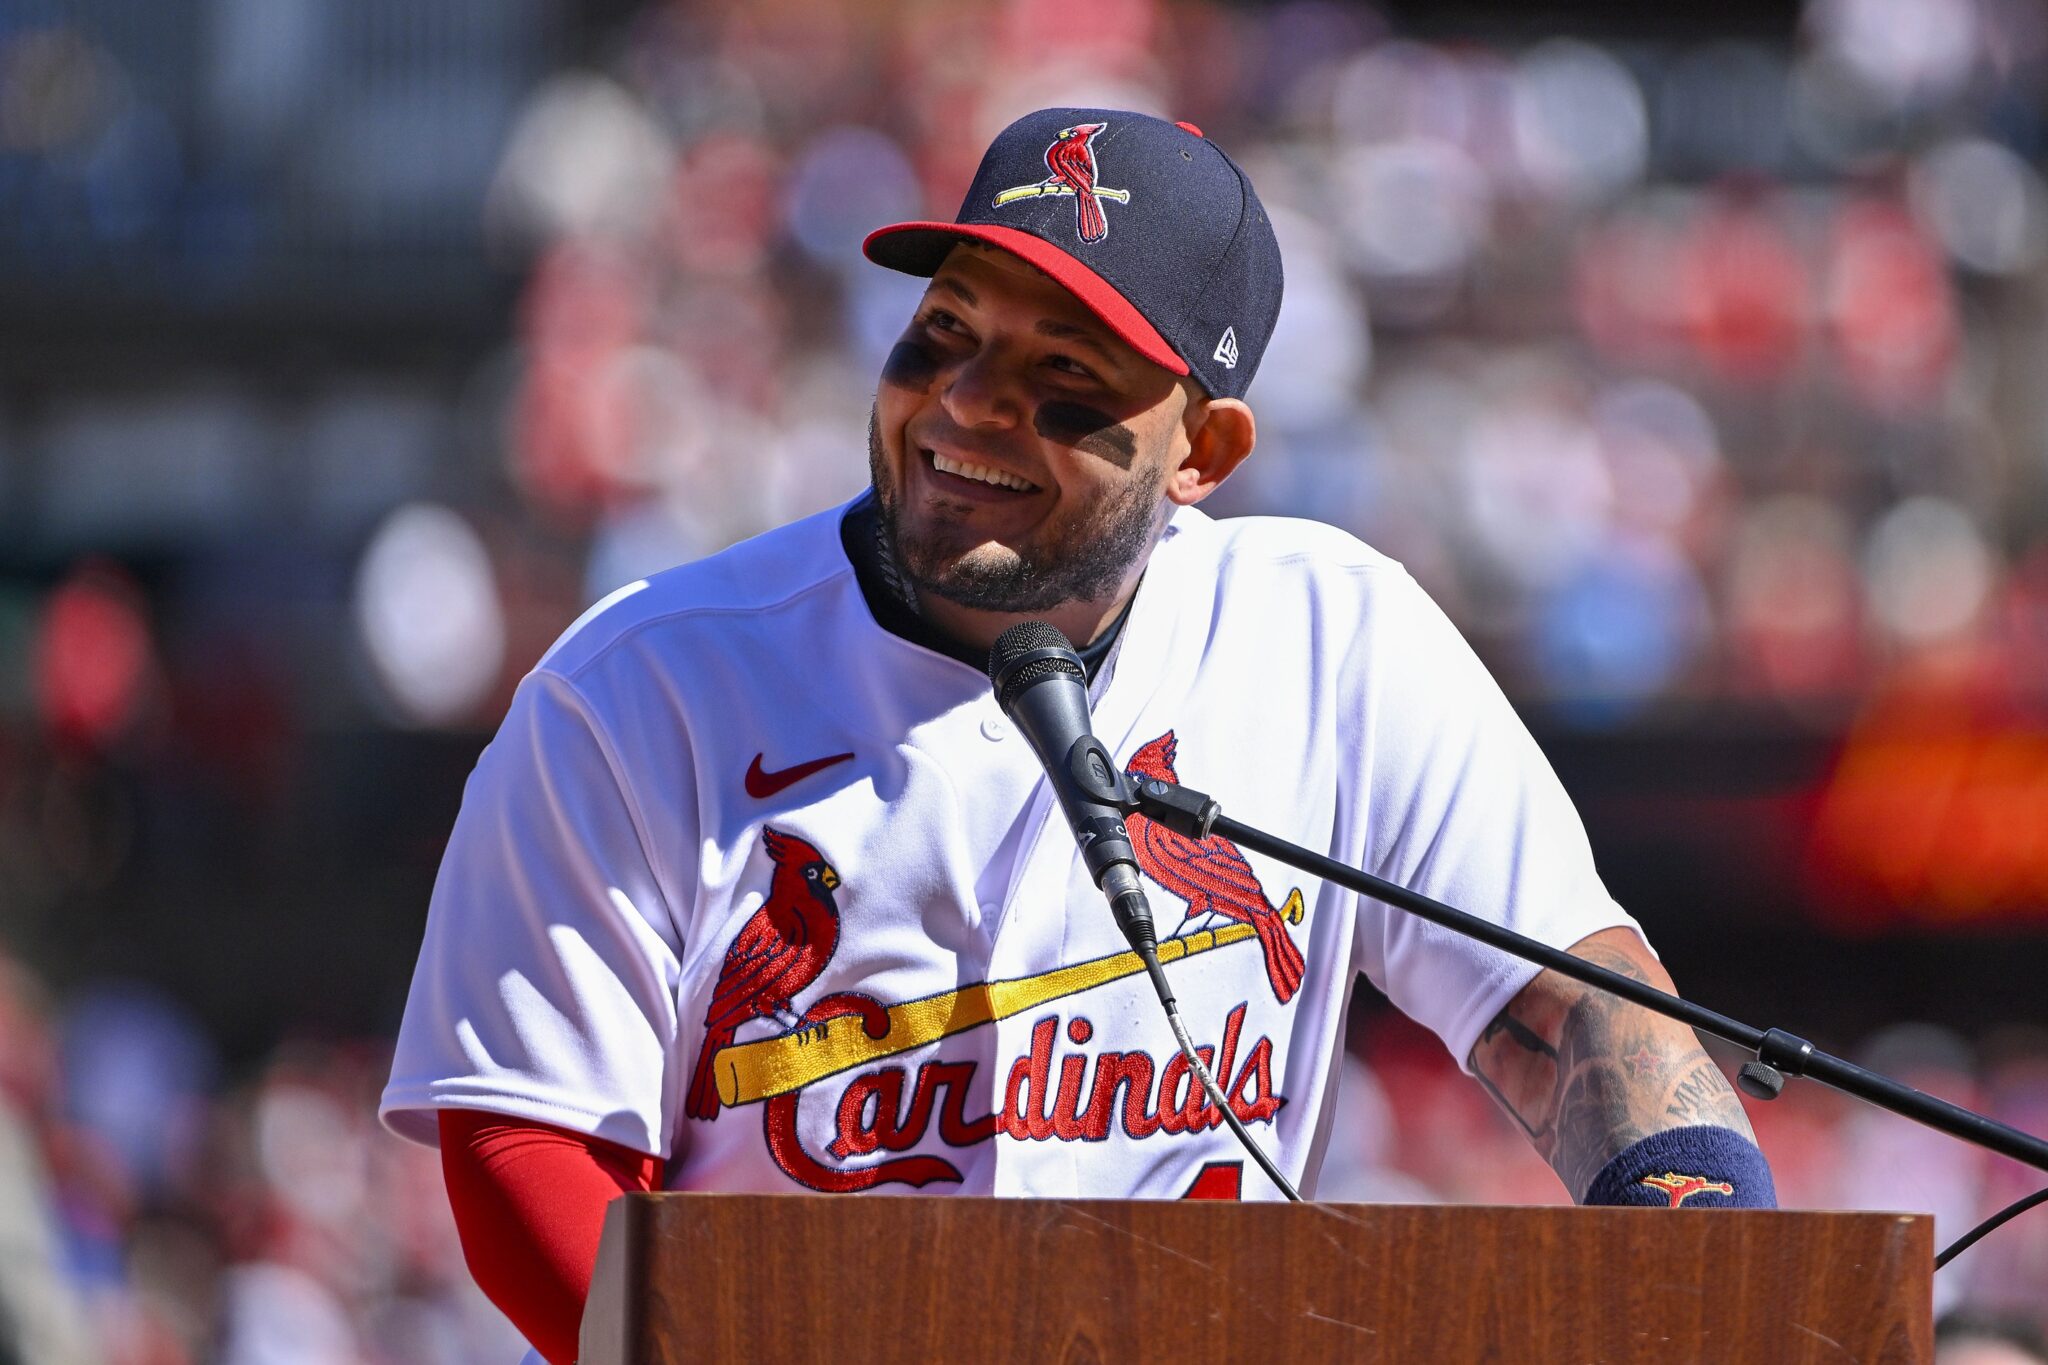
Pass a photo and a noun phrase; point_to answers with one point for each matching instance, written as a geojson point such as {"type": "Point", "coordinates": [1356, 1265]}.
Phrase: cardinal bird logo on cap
{"type": "Point", "coordinates": [1071, 159]}
{"type": "Point", "coordinates": [1213, 877]}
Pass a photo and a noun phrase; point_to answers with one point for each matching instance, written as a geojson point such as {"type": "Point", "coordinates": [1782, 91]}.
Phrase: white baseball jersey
{"type": "Point", "coordinates": [750, 883]}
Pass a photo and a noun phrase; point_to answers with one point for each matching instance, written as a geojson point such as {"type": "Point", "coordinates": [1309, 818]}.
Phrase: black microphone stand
{"type": "Point", "coordinates": [1779, 1054]}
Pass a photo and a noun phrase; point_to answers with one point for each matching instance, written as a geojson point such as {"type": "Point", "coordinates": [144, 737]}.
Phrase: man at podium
{"type": "Point", "coordinates": [757, 889]}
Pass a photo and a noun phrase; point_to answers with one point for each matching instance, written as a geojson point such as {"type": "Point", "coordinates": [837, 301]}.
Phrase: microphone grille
{"type": "Point", "coordinates": [1028, 653]}
{"type": "Point", "coordinates": [1022, 638]}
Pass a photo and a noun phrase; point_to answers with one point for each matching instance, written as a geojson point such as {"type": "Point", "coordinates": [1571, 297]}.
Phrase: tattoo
{"type": "Point", "coordinates": [1586, 1074]}
{"type": "Point", "coordinates": [1619, 963]}
{"type": "Point", "coordinates": [1089, 429]}
{"type": "Point", "coordinates": [1642, 1063]}
{"type": "Point", "coordinates": [1703, 1096]}
{"type": "Point", "coordinates": [1522, 1036]}
{"type": "Point", "coordinates": [1595, 1121]}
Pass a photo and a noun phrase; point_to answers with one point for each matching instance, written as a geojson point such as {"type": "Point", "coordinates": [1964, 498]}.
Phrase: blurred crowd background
{"type": "Point", "coordinates": [1694, 361]}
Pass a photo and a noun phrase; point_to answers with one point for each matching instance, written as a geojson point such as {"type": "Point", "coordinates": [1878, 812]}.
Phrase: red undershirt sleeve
{"type": "Point", "coordinates": [529, 1203]}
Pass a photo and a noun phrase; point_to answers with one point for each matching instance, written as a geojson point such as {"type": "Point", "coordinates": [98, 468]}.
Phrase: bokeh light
{"type": "Point", "coordinates": [1580, 126]}
{"type": "Point", "coordinates": [1986, 205]}
{"type": "Point", "coordinates": [1419, 208]}
{"type": "Point", "coordinates": [1907, 51]}
{"type": "Point", "coordinates": [426, 604]}
{"type": "Point", "coordinates": [847, 181]}
{"type": "Point", "coordinates": [1794, 597]}
{"type": "Point", "coordinates": [1928, 570]}
{"type": "Point", "coordinates": [1620, 629]}
{"type": "Point", "coordinates": [95, 663]}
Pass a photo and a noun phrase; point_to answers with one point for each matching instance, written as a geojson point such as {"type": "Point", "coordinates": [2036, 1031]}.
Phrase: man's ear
{"type": "Point", "coordinates": [1221, 433]}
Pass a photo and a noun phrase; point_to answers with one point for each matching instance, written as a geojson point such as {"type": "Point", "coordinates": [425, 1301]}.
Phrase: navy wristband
{"type": "Point", "coordinates": [1694, 1168]}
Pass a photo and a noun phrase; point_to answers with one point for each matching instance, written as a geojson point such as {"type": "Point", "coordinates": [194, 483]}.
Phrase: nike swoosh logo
{"type": "Point", "coordinates": [762, 785]}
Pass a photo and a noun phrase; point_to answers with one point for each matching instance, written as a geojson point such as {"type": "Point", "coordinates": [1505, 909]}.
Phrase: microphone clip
{"type": "Point", "coordinates": [1095, 773]}
{"type": "Point", "coordinates": [1181, 809]}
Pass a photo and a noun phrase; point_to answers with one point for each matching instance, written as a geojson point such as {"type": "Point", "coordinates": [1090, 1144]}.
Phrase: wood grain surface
{"type": "Point", "coordinates": [791, 1278]}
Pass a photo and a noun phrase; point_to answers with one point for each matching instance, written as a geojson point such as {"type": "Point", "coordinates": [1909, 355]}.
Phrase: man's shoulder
{"type": "Point", "coordinates": [746, 581]}
{"type": "Point", "coordinates": [1296, 543]}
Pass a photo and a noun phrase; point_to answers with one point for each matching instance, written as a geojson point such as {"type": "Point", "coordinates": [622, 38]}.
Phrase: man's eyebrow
{"type": "Point", "coordinates": [958, 288]}
{"type": "Point", "coordinates": [1067, 331]}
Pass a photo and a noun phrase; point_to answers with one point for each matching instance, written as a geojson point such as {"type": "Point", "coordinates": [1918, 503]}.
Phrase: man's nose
{"type": "Point", "coordinates": [982, 391]}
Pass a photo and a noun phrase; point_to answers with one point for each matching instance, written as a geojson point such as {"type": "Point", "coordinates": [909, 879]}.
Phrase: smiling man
{"type": "Point", "coordinates": [757, 890]}
{"type": "Point", "coordinates": [1035, 479]}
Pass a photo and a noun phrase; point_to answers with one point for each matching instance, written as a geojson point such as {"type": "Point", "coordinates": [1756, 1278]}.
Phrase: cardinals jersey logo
{"type": "Point", "coordinates": [779, 952]}
{"type": "Point", "coordinates": [787, 944]}
{"type": "Point", "coordinates": [1214, 879]}
{"type": "Point", "coordinates": [1071, 159]}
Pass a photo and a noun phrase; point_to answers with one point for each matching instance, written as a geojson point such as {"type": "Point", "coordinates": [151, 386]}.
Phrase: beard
{"type": "Point", "coordinates": [1082, 557]}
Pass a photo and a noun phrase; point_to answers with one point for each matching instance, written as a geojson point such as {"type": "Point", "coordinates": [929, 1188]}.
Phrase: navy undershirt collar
{"type": "Point", "coordinates": [889, 600]}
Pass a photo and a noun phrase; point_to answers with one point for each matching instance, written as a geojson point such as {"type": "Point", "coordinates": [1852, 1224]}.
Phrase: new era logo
{"type": "Point", "coordinates": [1226, 349]}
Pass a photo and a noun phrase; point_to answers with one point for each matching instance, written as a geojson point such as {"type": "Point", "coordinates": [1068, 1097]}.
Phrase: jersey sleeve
{"type": "Point", "coordinates": [546, 986]}
{"type": "Point", "coordinates": [1463, 807]}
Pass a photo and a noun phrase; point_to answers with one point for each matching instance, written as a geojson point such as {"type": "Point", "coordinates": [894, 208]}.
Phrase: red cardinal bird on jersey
{"type": "Point", "coordinates": [781, 950]}
{"type": "Point", "coordinates": [1213, 877]}
{"type": "Point", "coordinates": [1072, 162]}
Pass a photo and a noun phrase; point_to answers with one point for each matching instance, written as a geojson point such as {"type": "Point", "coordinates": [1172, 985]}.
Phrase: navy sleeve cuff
{"type": "Point", "coordinates": [1694, 1168]}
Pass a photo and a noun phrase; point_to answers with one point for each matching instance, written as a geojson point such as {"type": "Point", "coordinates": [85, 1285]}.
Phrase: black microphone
{"type": "Point", "coordinates": [1042, 688]}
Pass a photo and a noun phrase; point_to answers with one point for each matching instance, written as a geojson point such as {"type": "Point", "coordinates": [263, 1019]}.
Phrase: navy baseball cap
{"type": "Point", "coordinates": [1147, 222]}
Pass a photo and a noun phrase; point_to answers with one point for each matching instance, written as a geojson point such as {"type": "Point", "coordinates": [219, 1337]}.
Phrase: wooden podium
{"type": "Point", "coordinates": [788, 1278]}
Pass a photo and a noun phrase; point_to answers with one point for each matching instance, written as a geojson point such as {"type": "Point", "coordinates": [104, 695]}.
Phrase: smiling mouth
{"type": "Point", "coordinates": [982, 474]}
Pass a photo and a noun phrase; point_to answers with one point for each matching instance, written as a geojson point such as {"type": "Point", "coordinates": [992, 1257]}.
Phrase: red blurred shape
{"type": "Point", "coordinates": [1744, 295]}
{"type": "Point", "coordinates": [725, 205]}
{"type": "Point", "coordinates": [1090, 33]}
{"type": "Point", "coordinates": [1889, 306]}
{"type": "Point", "coordinates": [1621, 287]}
{"type": "Point", "coordinates": [93, 661]}
{"type": "Point", "coordinates": [1794, 623]}
{"type": "Point", "coordinates": [582, 307]}
{"type": "Point", "coordinates": [1936, 813]}
{"type": "Point", "coordinates": [2023, 618]}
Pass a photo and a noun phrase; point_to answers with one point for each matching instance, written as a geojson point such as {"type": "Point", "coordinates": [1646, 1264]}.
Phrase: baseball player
{"type": "Point", "coordinates": [756, 889]}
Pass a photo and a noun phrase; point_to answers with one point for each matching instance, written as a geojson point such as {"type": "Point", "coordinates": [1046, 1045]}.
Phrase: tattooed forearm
{"type": "Point", "coordinates": [1596, 1116]}
{"type": "Point", "coordinates": [1585, 1074]}
{"type": "Point", "coordinates": [1702, 1095]}
{"type": "Point", "coordinates": [1508, 1031]}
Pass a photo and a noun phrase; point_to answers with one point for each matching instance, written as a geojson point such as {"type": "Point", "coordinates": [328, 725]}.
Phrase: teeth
{"type": "Point", "coordinates": [982, 473]}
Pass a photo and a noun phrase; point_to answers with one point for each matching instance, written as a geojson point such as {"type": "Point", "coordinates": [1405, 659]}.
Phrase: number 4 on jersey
{"type": "Point", "coordinates": [1218, 1180]}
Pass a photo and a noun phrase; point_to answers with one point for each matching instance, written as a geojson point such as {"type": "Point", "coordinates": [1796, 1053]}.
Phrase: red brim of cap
{"type": "Point", "coordinates": [919, 248]}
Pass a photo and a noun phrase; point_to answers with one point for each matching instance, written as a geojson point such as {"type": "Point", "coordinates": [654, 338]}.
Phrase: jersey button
{"type": "Point", "coordinates": [994, 728]}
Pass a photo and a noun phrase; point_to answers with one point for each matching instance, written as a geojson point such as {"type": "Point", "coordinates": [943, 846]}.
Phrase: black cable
{"type": "Point", "coordinates": [1995, 1221]}
{"type": "Point", "coordinates": [1209, 1086]}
